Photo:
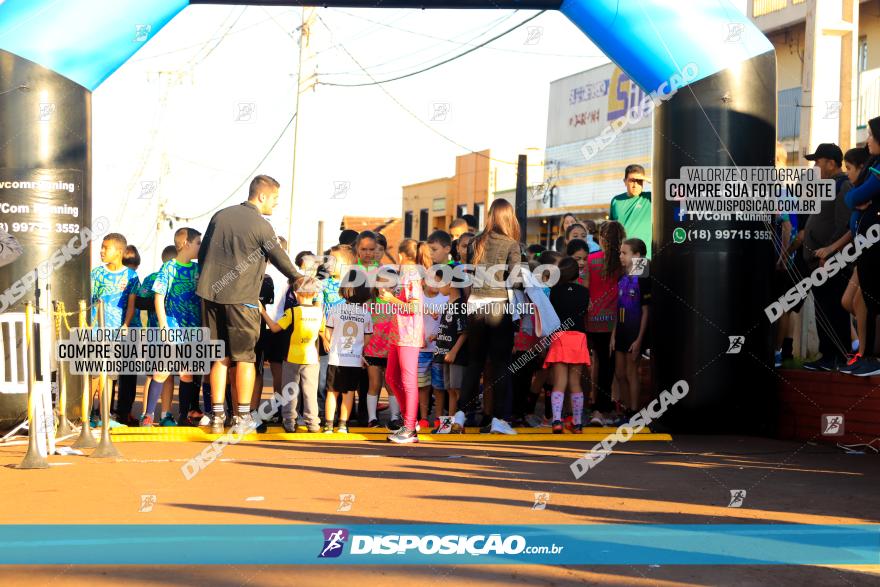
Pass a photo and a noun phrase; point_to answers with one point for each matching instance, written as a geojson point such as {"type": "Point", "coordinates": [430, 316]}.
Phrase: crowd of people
{"type": "Point", "coordinates": [846, 302]}
{"type": "Point", "coordinates": [449, 352]}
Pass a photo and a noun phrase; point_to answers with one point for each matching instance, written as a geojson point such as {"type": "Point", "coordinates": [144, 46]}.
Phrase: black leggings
{"type": "Point", "coordinates": [523, 401]}
{"type": "Point", "coordinates": [869, 282]}
{"type": "Point", "coordinates": [600, 344]}
{"type": "Point", "coordinates": [490, 338]}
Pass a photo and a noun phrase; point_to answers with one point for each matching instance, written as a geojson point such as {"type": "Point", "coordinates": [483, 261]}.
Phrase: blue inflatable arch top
{"type": "Point", "coordinates": [87, 40]}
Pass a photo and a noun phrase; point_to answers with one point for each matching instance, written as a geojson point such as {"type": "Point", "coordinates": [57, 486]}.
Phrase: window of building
{"type": "Point", "coordinates": [478, 212]}
{"type": "Point", "coordinates": [407, 224]}
{"type": "Point", "coordinates": [863, 54]}
{"type": "Point", "coordinates": [462, 210]}
{"type": "Point", "coordinates": [423, 224]}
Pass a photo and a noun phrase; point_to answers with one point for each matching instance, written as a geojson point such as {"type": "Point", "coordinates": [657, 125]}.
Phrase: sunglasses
{"type": "Point", "coordinates": [638, 181]}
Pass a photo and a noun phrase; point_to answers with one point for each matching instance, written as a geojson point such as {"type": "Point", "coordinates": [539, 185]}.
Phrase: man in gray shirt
{"type": "Point", "coordinates": [232, 259]}
{"type": "Point", "coordinates": [826, 233]}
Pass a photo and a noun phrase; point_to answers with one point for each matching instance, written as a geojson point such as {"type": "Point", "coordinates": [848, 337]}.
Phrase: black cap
{"type": "Point", "coordinates": [827, 151]}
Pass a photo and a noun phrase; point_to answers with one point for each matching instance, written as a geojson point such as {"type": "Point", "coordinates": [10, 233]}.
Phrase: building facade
{"type": "Point", "coordinates": [479, 178]}
{"type": "Point", "coordinates": [587, 148]}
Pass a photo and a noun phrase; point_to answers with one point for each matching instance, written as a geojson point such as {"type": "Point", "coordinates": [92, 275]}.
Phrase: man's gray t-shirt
{"type": "Point", "coordinates": [831, 223]}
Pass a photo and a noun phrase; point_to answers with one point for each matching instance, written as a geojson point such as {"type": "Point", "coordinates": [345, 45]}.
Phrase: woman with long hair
{"type": "Point", "coordinates": [567, 221]}
{"type": "Point", "coordinates": [490, 325]}
{"type": "Point", "coordinates": [865, 197]}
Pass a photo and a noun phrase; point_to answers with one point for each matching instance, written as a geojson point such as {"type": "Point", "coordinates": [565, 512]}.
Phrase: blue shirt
{"type": "Point", "coordinates": [113, 288]}
{"type": "Point", "coordinates": [177, 282]}
{"type": "Point", "coordinates": [856, 196]}
{"type": "Point", "coordinates": [146, 291]}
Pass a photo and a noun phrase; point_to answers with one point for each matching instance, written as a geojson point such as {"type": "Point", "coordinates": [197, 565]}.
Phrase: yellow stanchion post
{"type": "Point", "coordinates": [105, 446]}
{"type": "Point", "coordinates": [32, 459]}
{"type": "Point", "coordinates": [64, 426]}
{"type": "Point", "coordinates": [85, 440]}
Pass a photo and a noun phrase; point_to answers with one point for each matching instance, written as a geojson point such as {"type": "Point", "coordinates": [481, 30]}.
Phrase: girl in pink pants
{"type": "Point", "coordinates": [403, 357]}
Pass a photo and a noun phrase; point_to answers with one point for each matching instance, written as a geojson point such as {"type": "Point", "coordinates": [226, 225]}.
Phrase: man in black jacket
{"type": "Point", "coordinates": [232, 259]}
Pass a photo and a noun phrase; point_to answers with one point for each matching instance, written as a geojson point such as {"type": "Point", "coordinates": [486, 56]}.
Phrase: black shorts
{"type": "Point", "coordinates": [625, 335]}
{"type": "Point", "coordinates": [236, 325]}
{"type": "Point", "coordinates": [343, 379]}
{"type": "Point", "coordinates": [377, 361]}
{"type": "Point", "coordinates": [277, 345]}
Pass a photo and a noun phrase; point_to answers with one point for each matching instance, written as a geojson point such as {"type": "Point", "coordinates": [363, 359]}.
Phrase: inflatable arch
{"type": "Point", "coordinates": [54, 54]}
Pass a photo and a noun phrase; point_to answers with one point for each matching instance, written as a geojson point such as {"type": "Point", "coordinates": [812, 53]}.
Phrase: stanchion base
{"type": "Point", "coordinates": [105, 450]}
{"type": "Point", "coordinates": [85, 440]}
{"type": "Point", "coordinates": [65, 428]}
{"type": "Point", "coordinates": [33, 460]}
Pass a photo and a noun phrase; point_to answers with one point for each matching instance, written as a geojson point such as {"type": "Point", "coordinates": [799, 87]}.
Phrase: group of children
{"type": "Point", "coordinates": [331, 335]}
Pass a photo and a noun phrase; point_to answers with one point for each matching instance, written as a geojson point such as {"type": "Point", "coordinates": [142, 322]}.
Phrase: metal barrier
{"type": "Point", "coordinates": [105, 446]}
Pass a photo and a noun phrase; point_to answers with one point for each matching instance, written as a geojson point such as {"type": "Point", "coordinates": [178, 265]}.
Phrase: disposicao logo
{"type": "Point", "coordinates": [334, 541]}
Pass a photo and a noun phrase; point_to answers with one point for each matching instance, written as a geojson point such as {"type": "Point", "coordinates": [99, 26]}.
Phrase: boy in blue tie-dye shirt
{"type": "Point", "coordinates": [177, 306]}
{"type": "Point", "coordinates": [115, 285]}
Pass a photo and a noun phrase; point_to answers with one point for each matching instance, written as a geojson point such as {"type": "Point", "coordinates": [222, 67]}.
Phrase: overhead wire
{"type": "Point", "coordinates": [414, 115]}
{"type": "Point", "coordinates": [423, 70]}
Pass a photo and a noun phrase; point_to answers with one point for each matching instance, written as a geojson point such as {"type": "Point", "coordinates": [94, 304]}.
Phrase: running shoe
{"type": "Point", "coordinates": [404, 436]}
{"type": "Point", "coordinates": [577, 429]}
{"type": "Point", "coordinates": [869, 366]}
{"type": "Point", "coordinates": [167, 420]}
{"type": "Point", "coordinates": [373, 424]}
{"type": "Point", "coordinates": [289, 427]}
{"type": "Point", "coordinates": [533, 421]}
{"type": "Point", "coordinates": [328, 428]}
{"type": "Point", "coordinates": [146, 422]}
{"type": "Point", "coordinates": [314, 429]}
{"type": "Point", "coordinates": [263, 428]}
{"type": "Point", "coordinates": [557, 426]}
{"type": "Point", "coordinates": [823, 364]}
{"type": "Point", "coordinates": [596, 419]}
{"type": "Point", "coordinates": [218, 424]}
{"type": "Point", "coordinates": [194, 416]}
{"type": "Point", "coordinates": [343, 428]}
{"type": "Point", "coordinates": [205, 420]}
{"type": "Point", "coordinates": [456, 428]}
{"type": "Point", "coordinates": [854, 362]}
{"type": "Point", "coordinates": [445, 426]}
{"type": "Point", "coordinates": [243, 425]}
{"type": "Point", "coordinates": [395, 425]}
{"type": "Point", "coordinates": [500, 427]}
{"type": "Point", "coordinates": [423, 424]}
{"type": "Point", "coordinates": [458, 419]}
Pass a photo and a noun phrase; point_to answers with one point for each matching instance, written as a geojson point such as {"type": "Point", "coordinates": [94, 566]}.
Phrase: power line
{"type": "Point", "coordinates": [201, 44]}
{"type": "Point", "coordinates": [444, 62]}
{"type": "Point", "coordinates": [413, 114]}
{"type": "Point", "coordinates": [248, 177]}
{"type": "Point", "coordinates": [466, 43]}
{"type": "Point", "coordinates": [484, 29]}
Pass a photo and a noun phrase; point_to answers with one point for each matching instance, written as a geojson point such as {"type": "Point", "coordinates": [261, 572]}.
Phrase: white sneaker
{"type": "Point", "coordinates": [596, 419]}
{"type": "Point", "coordinates": [459, 418]}
{"type": "Point", "coordinates": [205, 421]}
{"type": "Point", "coordinates": [501, 427]}
{"type": "Point", "coordinates": [445, 425]}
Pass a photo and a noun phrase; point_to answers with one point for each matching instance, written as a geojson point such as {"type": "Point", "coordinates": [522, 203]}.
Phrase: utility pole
{"type": "Point", "coordinates": [303, 38]}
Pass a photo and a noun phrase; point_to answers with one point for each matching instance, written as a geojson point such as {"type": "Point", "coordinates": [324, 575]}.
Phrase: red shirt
{"type": "Point", "coordinates": [603, 295]}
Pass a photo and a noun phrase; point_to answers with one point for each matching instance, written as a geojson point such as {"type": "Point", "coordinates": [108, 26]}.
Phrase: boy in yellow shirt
{"type": "Point", "coordinates": [301, 367]}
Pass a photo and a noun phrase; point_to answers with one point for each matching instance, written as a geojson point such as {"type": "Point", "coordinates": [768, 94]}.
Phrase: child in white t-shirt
{"type": "Point", "coordinates": [431, 373]}
{"type": "Point", "coordinates": [348, 330]}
